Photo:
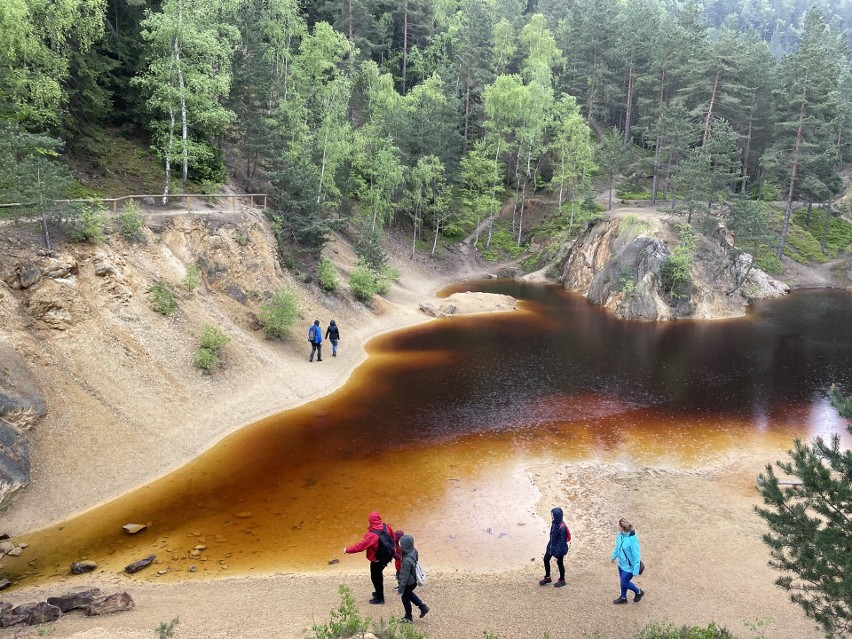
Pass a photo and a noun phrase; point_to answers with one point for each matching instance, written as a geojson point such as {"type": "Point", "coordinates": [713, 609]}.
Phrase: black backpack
{"type": "Point", "coordinates": [386, 547]}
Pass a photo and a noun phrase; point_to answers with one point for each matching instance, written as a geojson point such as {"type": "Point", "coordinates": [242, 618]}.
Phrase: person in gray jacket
{"type": "Point", "coordinates": [407, 578]}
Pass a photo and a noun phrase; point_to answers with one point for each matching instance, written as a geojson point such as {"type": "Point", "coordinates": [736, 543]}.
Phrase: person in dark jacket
{"type": "Point", "coordinates": [315, 338]}
{"type": "Point", "coordinates": [557, 546]}
{"type": "Point", "coordinates": [370, 543]}
{"type": "Point", "coordinates": [407, 578]}
{"type": "Point", "coordinates": [332, 333]}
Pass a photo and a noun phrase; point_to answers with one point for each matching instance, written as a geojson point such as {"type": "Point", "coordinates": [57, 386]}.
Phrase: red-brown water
{"type": "Point", "coordinates": [438, 428]}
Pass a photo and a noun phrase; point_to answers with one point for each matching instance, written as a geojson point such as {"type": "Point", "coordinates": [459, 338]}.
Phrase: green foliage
{"type": "Point", "coordinates": [633, 195]}
{"type": "Point", "coordinates": [668, 631]}
{"type": "Point", "coordinates": [363, 282]}
{"type": "Point", "coordinates": [166, 630]}
{"type": "Point", "coordinates": [213, 339]}
{"type": "Point", "coordinates": [674, 271]}
{"type": "Point", "coordinates": [327, 276]}
{"type": "Point", "coordinates": [206, 360]}
{"type": "Point", "coordinates": [163, 300]}
{"type": "Point", "coordinates": [344, 622]}
{"type": "Point", "coordinates": [839, 236]}
{"type": "Point", "coordinates": [841, 403]}
{"type": "Point", "coordinates": [503, 245]}
{"type": "Point", "coordinates": [192, 279]}
{"type": "Point", "coordinates": [130, 220]}
{"type": "Point", "coordinates": [803, 247]}
{"type": "Point", "coordinates": [89, 225]}
{"type": "Point", "coordinates": [809, 536]}
{"type": "Point", "coordinates": [279, 315]}
{"type": "Point", "coordinates": [531, 262]}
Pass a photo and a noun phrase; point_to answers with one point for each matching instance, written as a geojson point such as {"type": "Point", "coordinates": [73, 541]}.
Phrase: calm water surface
{"type": "Point", "coordinates": [437, 430]}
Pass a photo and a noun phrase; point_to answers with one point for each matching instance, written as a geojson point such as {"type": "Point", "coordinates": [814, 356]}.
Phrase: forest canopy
{"type": "Point", "coordinates": [432, 114]}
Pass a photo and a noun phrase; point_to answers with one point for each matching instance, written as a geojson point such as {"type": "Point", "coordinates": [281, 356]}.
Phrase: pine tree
{"type": "Point", "coordinates": [811, 78]}
{"type": "Point", "coordinates": [810, 529]}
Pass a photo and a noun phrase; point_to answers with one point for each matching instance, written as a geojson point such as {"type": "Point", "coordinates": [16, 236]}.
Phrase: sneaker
{"type": "Point", "coordinates": [545, 581]}
{"type": "Point", "coordinates": [319, 360]}
{"type": "Point", "coordinates": [423, 610]}
{"type": "Point", "coordinates": [376, 600]}
{"type": "Point", "coordinates": [639, 596]}
{"type": "Point", "coordinates": [406, 620]}
{"type": "Point", "coordinates": [559, 583]}
{"type": "Point", "coordinates": [620, 600]}
{"type": "Point", "coordinates": [334, 354]}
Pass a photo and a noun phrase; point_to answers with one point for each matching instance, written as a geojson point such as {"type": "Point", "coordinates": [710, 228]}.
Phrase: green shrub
{"type": "Point", "coordinates": [213, 339]}
{"type": "Point", "coordinates": [280, 314]}
{"type": "Point", "coordinates": [345, 621]}
{"type": "Point", "coordinates": [503, 245]}
{"type": "Point", "coordinates": [633, 195]}
{"type": "Point", "coordinates": [327, 276]}
{"type": "Point", "coordinates": [163, 300]}
{"type": "Point", "coordinates": [206, 360]}
{"type": "Point", "coordinates": [130, 220]}
{"type": "Point", "coordinates": [90, 224]}
{"type": "Point", "coordinates": [242, 238]}
{"type": "Point", "coordinates": [363, 283]}
{"type": "Point", "coordinates": [385, 277]}
{"type": "Point", "coordinates": [192, 279]}
{"type": "Point", "coordinates": [166, 630]}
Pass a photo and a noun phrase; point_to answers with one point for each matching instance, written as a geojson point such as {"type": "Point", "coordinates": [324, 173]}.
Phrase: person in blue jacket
{"type": "Point", "coordinates": [315, 339]}
{"type": "Point", "coordinates": [557, 546]}
{"type": "Point", "coordinates": [628, 556]}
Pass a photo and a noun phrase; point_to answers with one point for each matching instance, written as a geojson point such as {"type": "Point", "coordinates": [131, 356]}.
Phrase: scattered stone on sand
{"type": "Point", "coordinates": [192, 569]}
{"type": "Point", "coordinates": [244, 515]}
{"type": "Point", "coordinates": [133, 528]}
{"type": "Point", "coordinates": [80, 567]}
{"type": "Point", "coordinates": [331, 562]}
{"type": "Point", "coordinates": [4, 583]}
{"type": "Point", "coordinates": [74, 600]}
{"type": "Point", "coordinates": [108, 604]}
{"type": "Point", "coordinates": [15, 552]}
{"type": "Point", "coordinates": [136, 566]}
{"type": "Point", "coordinates": [6, 546]}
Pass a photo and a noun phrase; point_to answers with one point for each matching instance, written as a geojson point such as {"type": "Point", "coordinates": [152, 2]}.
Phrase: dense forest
{"type": "Point", "coordinates": [431, 114]}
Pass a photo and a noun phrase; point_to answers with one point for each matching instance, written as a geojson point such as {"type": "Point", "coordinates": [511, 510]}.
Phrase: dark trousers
{"type": "Point", "coordinates": [624, 577]}
{"type": "Point", "coordinates": [560, 563]}
{"type": "Point", "coordinates": [408, 598]}
{"type": "Point", "coordinates": [376, 568]}
{"type": "Point", "coordinates": [316, 348]}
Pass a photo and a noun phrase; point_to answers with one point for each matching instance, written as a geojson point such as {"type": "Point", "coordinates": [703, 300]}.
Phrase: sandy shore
{"type": "Point", "coordinates": [699, 533]}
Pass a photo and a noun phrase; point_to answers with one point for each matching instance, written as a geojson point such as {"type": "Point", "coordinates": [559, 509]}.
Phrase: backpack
{"type": "Point", "coordinates": [312, 334]}
{"type": "Point", "coordinates": [386, 547]}
{"type": "Point", "coordinates": [420, 574]}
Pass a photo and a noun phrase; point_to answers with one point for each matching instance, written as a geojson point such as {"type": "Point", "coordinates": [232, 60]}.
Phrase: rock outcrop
{"type": "Point", "coordinates": [616, 264]}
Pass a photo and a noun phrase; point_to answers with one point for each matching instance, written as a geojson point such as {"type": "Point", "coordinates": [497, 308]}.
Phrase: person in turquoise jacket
{"type": "Point", "coordinates": [628, 556]}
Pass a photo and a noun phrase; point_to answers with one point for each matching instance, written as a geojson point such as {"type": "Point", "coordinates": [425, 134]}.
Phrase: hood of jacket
{"type": "Point", "coordinates": [406, 542]}
{"type": "Point", "coordinates": [375, 521]}
{"type": "Point", "coordinates": [332, 323]}
{"type": "Point", "coordinates": [557, 515]}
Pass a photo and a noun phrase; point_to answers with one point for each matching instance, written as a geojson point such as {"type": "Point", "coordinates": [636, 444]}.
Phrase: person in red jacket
{"type": "Point", "coordinates": [370, 543]}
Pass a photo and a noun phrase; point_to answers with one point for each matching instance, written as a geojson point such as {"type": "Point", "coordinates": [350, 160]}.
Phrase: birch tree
{"type": "Point", "coordinates": [186, 81]}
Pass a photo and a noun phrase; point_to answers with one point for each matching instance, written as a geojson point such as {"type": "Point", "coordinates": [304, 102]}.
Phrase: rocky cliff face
{"type": "Point", "coordinates": [616, 264]}
{"type": "Point", "coordinates": [87, 364]}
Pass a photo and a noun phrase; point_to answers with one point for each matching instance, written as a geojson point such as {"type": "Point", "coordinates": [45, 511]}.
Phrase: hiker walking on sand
{"type": "Point", "coordinates": [315, 338]}
{"type": "Point", "coordinates": [629, 559]}
{"type": "Point", "coordinates": [332, 333]}
{"type": "Point", "coordinates": [379, 544]}
{"type": "Point", "coordinates": [557, 546]}
{"type": "Point", "coordinates": [407, 578]}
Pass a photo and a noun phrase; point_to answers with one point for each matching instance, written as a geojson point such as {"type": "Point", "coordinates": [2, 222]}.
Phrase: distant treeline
{"type": "Point", "coordinates": [433, 112]}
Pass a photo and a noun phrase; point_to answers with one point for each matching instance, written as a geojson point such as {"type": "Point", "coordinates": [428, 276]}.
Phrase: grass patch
{"type": "Point", "coordinates": [503, 245]}
{"type": "Point", "coordinates": [163, 300]}
{"type": "Point", "coordinates": [839, 236]}
{"type": "Point", "coordinates": [633, 194]}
